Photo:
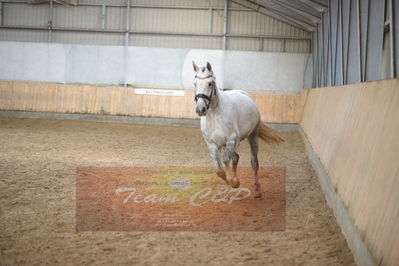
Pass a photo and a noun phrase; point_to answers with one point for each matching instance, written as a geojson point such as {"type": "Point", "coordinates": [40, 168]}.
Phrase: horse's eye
{"type": "Point", "coordinates": [210, 84]}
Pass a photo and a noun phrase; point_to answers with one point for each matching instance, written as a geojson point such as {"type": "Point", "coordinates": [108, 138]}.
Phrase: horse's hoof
{"type": "Point", "coordinates": [258, 195]}
{"type": "Point", "coordinates": [235, 183]}
{"type": "Point", "coordinates": [221, 174]}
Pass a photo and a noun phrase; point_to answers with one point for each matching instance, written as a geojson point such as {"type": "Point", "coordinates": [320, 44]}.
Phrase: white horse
{"type": "Point", "coordinates": [227, 117]}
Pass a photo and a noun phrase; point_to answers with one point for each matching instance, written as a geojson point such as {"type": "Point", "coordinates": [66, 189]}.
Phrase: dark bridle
{"type": "Point", "coordinates": [204, 96]}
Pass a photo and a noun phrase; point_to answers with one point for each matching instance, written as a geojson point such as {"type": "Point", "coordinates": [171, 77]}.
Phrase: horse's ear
{"type": "Point", "coordinates": [195, 67]}
{"type": "Point", "coordinates": [208, 66]}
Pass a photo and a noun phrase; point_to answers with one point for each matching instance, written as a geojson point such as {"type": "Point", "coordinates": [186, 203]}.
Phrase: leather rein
{"type": "Point", "coordinates": [204, 96]}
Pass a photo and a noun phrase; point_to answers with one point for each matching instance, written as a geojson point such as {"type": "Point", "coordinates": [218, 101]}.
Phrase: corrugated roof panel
{"type": "Point", "coordinates": [23, 35]}
{"type": "Point", "coordinates": [169, 20]}
{"type": "Point", "coordinates": [85, 38]}
{"type": "Point", "coordinates": [77, 17]}
{"type": "Point", "coordinates": [115, 18]}
{"type": "Point", "coordinates": [100, 2]}
{"type": "Point", "coordinates": [273, 45]}
{"type": "Point", "coordinates": [156, 20]}
{"type": "Point", "coordinates": [243, 44]}
{"type": "Point", "coordinates": [208, 3]}
{"type": "Point", "coordinates": [176, 41]}
{"type": "Point", "coordinates": [18, 14]}
{"type": "Point", "coordinates": [297, 46]}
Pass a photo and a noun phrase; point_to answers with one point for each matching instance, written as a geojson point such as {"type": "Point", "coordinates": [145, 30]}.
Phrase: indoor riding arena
{"type": "Point", "coordinates": [106, 156]}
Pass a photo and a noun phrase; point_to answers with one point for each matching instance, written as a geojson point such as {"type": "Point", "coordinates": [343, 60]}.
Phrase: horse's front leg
{"type": "Point", "coordinates": [214, 152]}
{"type": "Point", "coordinates": [230, 154]}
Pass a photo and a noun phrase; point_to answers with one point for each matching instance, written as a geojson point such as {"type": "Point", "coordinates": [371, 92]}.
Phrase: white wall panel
{"type": "Point", "coordinates": [72, 63]}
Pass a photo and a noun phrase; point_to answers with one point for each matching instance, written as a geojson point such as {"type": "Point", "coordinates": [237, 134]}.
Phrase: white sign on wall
{"type": "Point", "coordinates": [159, 92]}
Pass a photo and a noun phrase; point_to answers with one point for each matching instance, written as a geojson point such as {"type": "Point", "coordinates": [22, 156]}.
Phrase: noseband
{"type": "Point", "coordinates": [204, 96]}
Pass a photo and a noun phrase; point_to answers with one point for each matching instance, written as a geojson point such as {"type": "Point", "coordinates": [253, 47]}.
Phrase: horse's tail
{"type": "Point", "coordinates": [269, 135]}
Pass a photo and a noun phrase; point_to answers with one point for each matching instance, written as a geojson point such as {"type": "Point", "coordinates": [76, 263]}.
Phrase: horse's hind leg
{"type": "Point", "coordinates": [254, 145]}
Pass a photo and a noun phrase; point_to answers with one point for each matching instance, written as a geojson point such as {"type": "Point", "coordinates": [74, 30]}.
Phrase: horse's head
{"type": "Point", "coordinates": [205, 88]}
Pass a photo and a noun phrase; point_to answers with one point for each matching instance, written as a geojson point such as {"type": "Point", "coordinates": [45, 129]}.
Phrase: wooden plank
{"type": "Point", "coordinates": [354, 131]}
{"type": "Point", "coordinates": [82, 98]}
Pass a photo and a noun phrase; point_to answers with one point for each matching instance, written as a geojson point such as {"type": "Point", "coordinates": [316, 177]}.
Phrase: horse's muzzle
{"type": "Point", "coordinates": [201, 110]}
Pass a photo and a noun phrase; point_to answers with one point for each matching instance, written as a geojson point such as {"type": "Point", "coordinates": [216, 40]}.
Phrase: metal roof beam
{"type": "Point", "coordinates": [286, 13]}
{"type": "Point", "coordinates": [276, 7]}
{"type": "Point", "coordinates": [315, 5]}
{"type": "Point", "coordinates": [301, 10]}
{"type": "Point", "coordinates": [302, 6]}
{"type": "Point", "coordinates": [274, 14]}
{"type": "Point", "coordinates": [322, 2]}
